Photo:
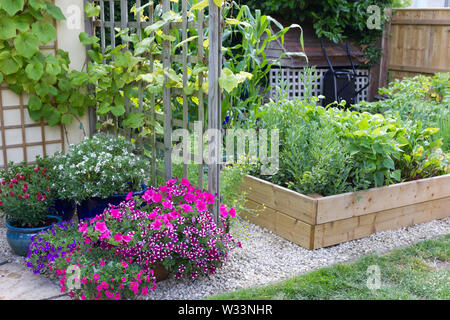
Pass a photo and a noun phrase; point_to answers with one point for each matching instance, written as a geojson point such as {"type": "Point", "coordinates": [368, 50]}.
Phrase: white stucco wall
{"type": "Point", "coordinates": [68, 31]}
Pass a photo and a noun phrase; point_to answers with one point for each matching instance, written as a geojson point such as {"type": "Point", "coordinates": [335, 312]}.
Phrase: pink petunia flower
{"type": "Point", "coordinates": [126, 238]}
{"type": "Point", "coordinates": [129, 196]}
{"type": "Point", "coordinates": [82, 227]}
{"type": "Point", "coordinates": [189, 198]}
{"type": "Point", "coordinates": [156, 197]}
{"type": "Point", "coordinates": [167, 204]}
{"type": "Point", "coordinates": [118, 237]}
{"type": "Point", "coordinates": [115, 213]}
{"type": "Point", "coordinates": [186, 207]}
{"type": "Point", "coordinates": [201, 206]}
{"type": "Point", "coordinates": [208, 197]}
{"type": "Point", "coordinates": [147, 196]}
{"type": "Point", "coordinates": [101, 227]}
{"type": "Point", "coordinates": [223, 210]}
{"type": "Point", "coordinates": [156, 225]}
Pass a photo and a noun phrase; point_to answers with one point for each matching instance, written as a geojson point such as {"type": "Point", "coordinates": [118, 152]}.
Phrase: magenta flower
{"type": "Point", "coordinates": [118, 237]}
{"type": "Point", "coordinates": [156, 197]}
{"type": "Point", "coordinates": [186, 207]}
{"type": "Point", "coordinates": [167, 204]}
{"type": "Point", "coordinates": [82, 227]}
{"type": "Point", "coordinates": [126, 238]}
{"type": "Point", "coordinates": [115, 213]}
{"type": "Point", "coordinates": [156, 225]}
{"type": "Point", "coordinates": [189, 198]}
{"type": "Point", "coordinates": [129, 196]}
{"type": "Point", "coordinates": [101, 227]}
{"type": "Point", "coordinates": [201, 206]}
{"type": "Point", "coordinates": [208, 197]}
{"type": "Point", "coordinates": [152, 215]}
{"type": "Point", "coordinates": [223, 210]}
{"type": "Point", "coordinates": [185, 182]}
{"type": "Point", "coordinates": [147, 196]}
{"type": "Point", "coordinates": [163, 189]}
{"type": "Point", "coordinates": [105, 235]}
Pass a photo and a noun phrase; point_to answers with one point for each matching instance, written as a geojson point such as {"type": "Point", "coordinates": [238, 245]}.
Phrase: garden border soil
{"type": "Point", "coordinates": [315, 222]}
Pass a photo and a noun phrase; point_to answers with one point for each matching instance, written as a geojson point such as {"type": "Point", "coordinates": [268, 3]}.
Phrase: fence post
{"type": "Point", "coordinates": [89, 28]}
{"type": "Point", "coordinates": [214, 103]}
{"type": "Point", "coordinates": [167, 100]}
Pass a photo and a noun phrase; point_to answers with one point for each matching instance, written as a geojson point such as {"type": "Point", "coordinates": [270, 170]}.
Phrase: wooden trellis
{"type": "Point", "coordinates": [163, 145]}
{"type": "Point", "coordinates": [21, 138]}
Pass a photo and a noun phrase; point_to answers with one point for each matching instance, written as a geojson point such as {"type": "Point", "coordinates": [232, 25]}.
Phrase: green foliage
{"type": "Point", "coordinates": [117, 72]}
{"type": "Point", "coordinates": [25, 195]}
{"type": "Point", "coordinates": [55, 93]}
{"type": "Point", "coordinates": [253, 33]}
{"type": "Point", "coordinates": [420, 99]}
{"type": "Point", "coordinates": [333, 19]}
{"type": "Point", "coordinates": [332, 151]}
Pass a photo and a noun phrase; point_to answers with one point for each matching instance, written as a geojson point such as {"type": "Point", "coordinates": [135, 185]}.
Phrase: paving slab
{"type": "Point", "coordinates": [18, 283]}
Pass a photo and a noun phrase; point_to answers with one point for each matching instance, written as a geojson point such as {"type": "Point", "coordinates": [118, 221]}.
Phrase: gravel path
{"type": "Point", "coordinates": [267, 258]}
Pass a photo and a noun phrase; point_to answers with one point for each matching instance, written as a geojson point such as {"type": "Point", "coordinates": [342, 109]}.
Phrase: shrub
{"type": "Point", "coordinates": [114, 254]}
{"type": "Point", "coordinates": [98, 166]}
{"type": "Point", "coordinates": [25, 195]}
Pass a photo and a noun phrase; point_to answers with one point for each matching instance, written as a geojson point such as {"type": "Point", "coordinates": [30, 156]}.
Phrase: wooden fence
{"type": "Point", "coordinates": [419, 42]}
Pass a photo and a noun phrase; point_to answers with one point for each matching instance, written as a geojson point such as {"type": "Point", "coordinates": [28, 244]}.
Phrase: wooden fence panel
{"type": "Point", "coordinates": [419, 43]}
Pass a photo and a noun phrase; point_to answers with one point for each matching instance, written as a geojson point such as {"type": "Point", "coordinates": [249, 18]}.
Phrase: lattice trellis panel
{"type": "Point", "coordinates": [161, 146]}
{"type": "Point", "coordinates": [294, 80]}
{"type": "Point", "coordinates": [22, 139]}
{"type": "Point", "coordinates": [182, 58]}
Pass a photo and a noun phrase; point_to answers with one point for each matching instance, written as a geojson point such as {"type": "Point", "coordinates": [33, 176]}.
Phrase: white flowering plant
{"type": "Point", "coordinates": [99, 166]}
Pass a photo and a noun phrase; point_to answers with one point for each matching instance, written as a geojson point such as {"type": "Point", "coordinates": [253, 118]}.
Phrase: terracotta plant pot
{"type": "Point", "coordinates": [160, 272]}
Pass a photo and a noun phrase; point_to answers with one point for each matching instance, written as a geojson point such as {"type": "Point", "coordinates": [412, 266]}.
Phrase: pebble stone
{"type": "Point", "coordinates": [266, 258]}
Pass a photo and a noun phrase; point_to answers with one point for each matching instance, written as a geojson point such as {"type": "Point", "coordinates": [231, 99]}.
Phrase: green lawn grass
{"type": "Point", "coordinates": [421, 271]}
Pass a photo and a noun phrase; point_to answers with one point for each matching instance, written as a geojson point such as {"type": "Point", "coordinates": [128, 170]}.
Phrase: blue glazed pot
{"type": "Point", "coordinates": [89, 208]}
{"type": "Point", "coordinates": [20, 238]}
{"type": "Point", "coordinates": [63, 208]}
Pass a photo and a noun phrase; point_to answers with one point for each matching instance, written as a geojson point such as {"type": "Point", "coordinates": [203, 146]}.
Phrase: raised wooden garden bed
{"type": "Point", "coordinates": [315, 222]}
